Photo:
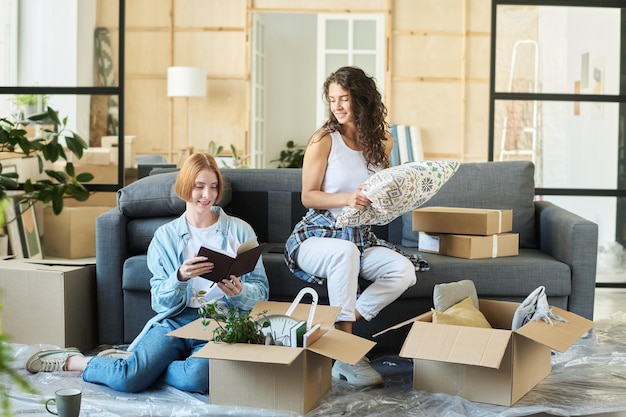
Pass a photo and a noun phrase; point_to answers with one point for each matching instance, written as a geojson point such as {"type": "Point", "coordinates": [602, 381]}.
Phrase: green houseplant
{"type": "Point", "coordinates": [239, 161]}
{"type": "Point", "coordinates": [291, 157]}
{"type": "Point", "coordinates": [233, 326]}
{"type": "Point", "coordinates": [48, 147]}
{"type": "Point", "coordinates": [58, 186]}
{"type": "Point", "coordinates": [28, 104]}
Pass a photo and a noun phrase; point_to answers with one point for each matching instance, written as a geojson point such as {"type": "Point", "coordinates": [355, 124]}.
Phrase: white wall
{"type": "Point", "coordinates": [291, 93]}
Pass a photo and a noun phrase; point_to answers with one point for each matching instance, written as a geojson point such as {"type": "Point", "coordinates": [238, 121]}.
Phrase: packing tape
{"type": "Point", "coordinates": [499, 221]}
{"type": "Point", "coordinates": [494, 247]}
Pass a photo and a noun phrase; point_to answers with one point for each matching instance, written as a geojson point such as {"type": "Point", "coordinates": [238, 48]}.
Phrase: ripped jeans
{"type": "Point", "coordinates": [156, 356]}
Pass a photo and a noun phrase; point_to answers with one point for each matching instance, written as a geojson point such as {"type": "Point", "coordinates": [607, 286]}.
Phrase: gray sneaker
{"type": "Point", "coordinates": [360, 374]}
{"type": "Point", "coordinates": [50, 360]}
{"type": "Point", "coordinates": [115, 353]}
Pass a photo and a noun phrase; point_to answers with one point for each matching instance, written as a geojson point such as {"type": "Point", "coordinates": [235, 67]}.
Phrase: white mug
{"type": "Point", "coordinates": [67, 401]}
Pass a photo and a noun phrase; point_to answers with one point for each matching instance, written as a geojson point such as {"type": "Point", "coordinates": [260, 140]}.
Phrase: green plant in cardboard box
{"type": "Point", "coordinates": [233, 326]}
{"type": "Point", "coordinates": [59, 184]}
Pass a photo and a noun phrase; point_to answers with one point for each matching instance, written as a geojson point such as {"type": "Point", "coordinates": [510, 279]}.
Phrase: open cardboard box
{"type": "Point", "coordinates": [496, 366]}
{"type": "Point", "coordinates": [277, 377]}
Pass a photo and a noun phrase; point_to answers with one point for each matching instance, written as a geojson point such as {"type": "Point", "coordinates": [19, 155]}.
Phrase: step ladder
{"type": "Point", "coordinates": [530, 147]}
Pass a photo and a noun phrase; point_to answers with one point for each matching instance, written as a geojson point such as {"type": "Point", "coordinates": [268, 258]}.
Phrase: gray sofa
{"type": "Point", "coordinates": [558, 249]}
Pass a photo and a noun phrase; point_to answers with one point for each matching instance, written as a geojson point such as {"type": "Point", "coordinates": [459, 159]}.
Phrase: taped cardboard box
{"type": "Point", "coordinates": [462, 221]}
{"type": "Point", "coordinates": [277, 377]}
{"type": "Point", "coordinates": [470, 246]}
{"type": "Point", "coordinates": [496, 366]}
{"type": "Point", "coordinates": [72, 233]}
{"type": "Point", "coordinates": [65, 296]}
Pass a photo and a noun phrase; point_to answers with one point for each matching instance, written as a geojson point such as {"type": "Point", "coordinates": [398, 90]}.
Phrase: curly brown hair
{"type": "Point", "coordinates": [369, 112]}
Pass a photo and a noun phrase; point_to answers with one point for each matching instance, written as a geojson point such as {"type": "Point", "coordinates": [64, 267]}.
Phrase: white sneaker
{"type": "Point", "coordinates": [115, 353]}
{"type": "Point", "coordinates": [50, 360]}
{"type": "Point", "coordinates": [360, 374]}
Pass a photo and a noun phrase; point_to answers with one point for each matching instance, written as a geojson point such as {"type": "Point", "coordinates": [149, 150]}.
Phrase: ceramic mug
{"type": "Point", "coordinates": [67, 401]}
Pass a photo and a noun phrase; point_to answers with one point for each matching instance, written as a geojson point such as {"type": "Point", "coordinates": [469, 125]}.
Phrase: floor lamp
{"type": "Point", "coordinates": [186, 82]}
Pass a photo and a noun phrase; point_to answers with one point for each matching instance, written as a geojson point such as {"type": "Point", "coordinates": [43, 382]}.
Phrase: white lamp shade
{"type": "Point", "coordinates": [186, 82]}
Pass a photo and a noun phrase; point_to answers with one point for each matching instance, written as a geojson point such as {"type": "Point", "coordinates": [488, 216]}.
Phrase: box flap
{"type": "Point", "coordinates": [422, 317]}
{"type": "Point", "coordinates": [456, 344]}
{"type": "Point", "coordinates": [195, 330]}
{"type": "Point", "coordinates": [558, 335]}
{"type": "Point", "coordinates": [249, 353]}
{"type": "Point", "coordinates": [50, 260]}
{"type": "Point", "coordinates": [342, 346]}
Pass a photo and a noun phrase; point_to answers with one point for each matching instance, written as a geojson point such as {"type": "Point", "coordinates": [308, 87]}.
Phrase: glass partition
{"type": "Point", "coordinates": [557, 99]}
{"type": "Point", "coordinates": [572, 144]}
{"type": "Point", "coordinates": [557, 49]}
{"type": "Point", "coordinates": [67, 54]}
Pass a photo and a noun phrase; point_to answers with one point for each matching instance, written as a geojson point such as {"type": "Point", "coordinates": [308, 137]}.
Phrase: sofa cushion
{"type": "Point", "coordinates": [154, 196]}
{"type": "Point", "coordinates": [492, 185]}
{"type": "Point", "coordinates": [398, 190]}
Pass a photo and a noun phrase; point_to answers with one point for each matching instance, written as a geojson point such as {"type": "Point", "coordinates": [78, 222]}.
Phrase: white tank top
{"type": "Point", "coordinates": [346, 169]}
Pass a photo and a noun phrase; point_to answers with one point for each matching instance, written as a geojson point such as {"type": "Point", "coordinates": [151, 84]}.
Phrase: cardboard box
{"type": "Point", "coordinates": [98, 198]}
{"type": "Point", "coordinates": [462, 221]}
{"type": "Point", "coordinates": [92, 156]}
{"type": "Point", "coordinates": [470, 246]}
{"type": "Point", "coordinates": [496, 366]}
{"type": "Point", "coordinates": [72, 233]}
{"type": "Point", "coordinates": [129, 150]}
{"type": "Point", "coordinates": [277, 377]}
{"type": "Point", "coordinates": [49, 304]}
{"type": "Point", "coordinates": [103, 174]}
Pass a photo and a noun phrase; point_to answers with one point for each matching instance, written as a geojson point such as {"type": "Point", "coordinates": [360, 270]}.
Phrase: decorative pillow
{"type": "Point", "coordinates": [398, 190]}
{"type": "Point", "coordinates": [462, 314]}
{"type": "Point", "coordinates": [450, 293]}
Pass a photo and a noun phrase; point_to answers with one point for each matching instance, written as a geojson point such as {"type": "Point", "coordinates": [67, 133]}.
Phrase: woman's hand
{"type": "Point", "coordinates": [358, 200]}
{"type": "Point", "coordinates": [193, 267]}
{"type": "Point", "coordinates": [232, 286]}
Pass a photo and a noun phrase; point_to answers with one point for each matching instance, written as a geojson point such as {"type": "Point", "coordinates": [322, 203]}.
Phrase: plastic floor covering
{"type": "Point", "coordinates": [588, 379]}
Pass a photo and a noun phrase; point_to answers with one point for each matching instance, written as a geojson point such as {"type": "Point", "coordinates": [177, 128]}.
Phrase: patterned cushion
{"type": "Point", "coordinates": [397, 190]}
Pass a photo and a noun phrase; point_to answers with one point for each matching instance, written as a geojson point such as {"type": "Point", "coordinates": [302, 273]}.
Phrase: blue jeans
{"type": "Point", "coordinates": [155, 356]}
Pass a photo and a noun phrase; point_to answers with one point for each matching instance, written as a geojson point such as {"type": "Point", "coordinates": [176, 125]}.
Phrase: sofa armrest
{"type": "Point", "coordinates": [111, 251]}
{"type": "Point", "coordinates": [572, 240]}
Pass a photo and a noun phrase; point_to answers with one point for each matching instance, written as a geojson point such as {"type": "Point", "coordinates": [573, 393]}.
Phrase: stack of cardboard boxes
{"type": "Point", "coordinates": [466, 232]}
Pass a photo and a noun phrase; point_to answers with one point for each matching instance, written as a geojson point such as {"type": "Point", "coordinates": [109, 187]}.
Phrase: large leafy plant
{"type": "Point", "coordinates": [46, 147]}
{"type": "Point", "coordinates": [233, 326]}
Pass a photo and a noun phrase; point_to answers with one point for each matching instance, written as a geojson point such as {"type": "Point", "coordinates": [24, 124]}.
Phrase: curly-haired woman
{"type": "Point", "coordinates": [352, 144]}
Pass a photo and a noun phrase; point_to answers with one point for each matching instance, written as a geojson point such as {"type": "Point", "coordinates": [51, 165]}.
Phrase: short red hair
{"type": "Point", "coordinates": [188, 173]}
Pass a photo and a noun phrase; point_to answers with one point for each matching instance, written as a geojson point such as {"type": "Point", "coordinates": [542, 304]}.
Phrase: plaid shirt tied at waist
{"type": "Point", "coordinates": [321, 223]}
